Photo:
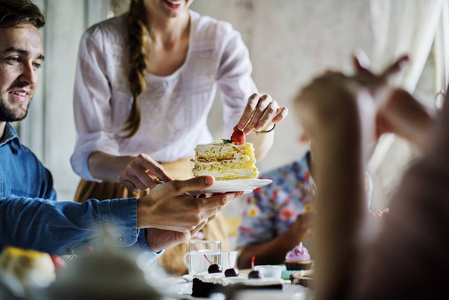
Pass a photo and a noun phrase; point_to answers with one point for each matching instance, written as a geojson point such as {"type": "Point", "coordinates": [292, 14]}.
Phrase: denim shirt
{"type": "Point", "coordinates": [21, 173]}
{"type": "Point", "coordinates": [31, 218]}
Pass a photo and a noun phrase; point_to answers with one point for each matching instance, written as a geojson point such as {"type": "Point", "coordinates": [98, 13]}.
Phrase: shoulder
{"type": "Point", "coordinates": [208, 28]}
{"type": "Point", "coordinates": [113, 30]}
{"type": "Point", "coordinates": [32, 160]}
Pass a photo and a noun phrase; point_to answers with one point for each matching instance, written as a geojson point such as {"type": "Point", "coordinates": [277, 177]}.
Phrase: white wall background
{"type": "Point", "coordinates": [290, 41]}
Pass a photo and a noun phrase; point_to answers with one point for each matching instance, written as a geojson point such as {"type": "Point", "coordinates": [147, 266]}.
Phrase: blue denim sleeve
{"type": "Point", "coordinates": [58, 227]}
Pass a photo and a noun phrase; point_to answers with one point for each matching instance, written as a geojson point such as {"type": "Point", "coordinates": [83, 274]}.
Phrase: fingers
{"type": "Point", "coordinates": [208, 208]}
{"type": "Point", "coordinates": [361, 61]}
{"type": "Point", "coordinates": [362, 67]}
{"type": "Point", "coordinates": [281, 113]}
{"type": "Point", "coordinates": [217, 201]}
{"type": "Point", "coordinates": [152, 167]}
{"type": "Point", "coordinates": [260, 111]}
{"type": "Point", "coordinates": [142, 173]}
{"type": "Point", "coordinates": [196, 211]}
{"type": "Point", "coordinates": [248, 112]}
{"type": "Point", "coordinates": [263, 110]}
{"type": "Point", "coordinates": [198, 228]}
{"type": "Point", "coordinates": [194, 184]}
{"type": "Point", "coordinates": [394, 68]}
{"type": "Point", "coordinates": [213, 217]}
{"type": "Point", "coordinates": [134, 179]}
{"type": "Point", "coordinates": [127, 184]}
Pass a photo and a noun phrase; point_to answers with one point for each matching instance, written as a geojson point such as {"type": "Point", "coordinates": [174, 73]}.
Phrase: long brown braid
{"type": "Point", "coordinates": [136, 77]}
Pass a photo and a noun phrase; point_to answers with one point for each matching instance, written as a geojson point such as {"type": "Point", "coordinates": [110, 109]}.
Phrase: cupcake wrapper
{"type": "Point", "coordinates": [293, 266]}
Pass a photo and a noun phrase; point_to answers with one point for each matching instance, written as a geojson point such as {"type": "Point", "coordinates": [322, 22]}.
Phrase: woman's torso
{"type": "Point", "coordinates": [174, 108]}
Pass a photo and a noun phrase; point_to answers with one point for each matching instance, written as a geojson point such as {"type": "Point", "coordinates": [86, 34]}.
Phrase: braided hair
{"type": "Point", "coordinates": [136, 77]}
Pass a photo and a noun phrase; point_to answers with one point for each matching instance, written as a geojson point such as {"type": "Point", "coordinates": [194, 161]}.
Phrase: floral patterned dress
{"type": "Point", "coordinates": [272, 209]}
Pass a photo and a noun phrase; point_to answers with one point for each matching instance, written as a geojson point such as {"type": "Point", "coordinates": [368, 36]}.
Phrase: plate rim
{"type": "Point", "coordinates": [212, 188]}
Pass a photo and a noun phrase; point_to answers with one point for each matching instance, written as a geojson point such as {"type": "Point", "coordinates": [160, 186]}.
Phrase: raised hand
{"type": "Point", "coordinates": [332, 96]}
{"type": "Point", "coordinates": [260, 112]}
{"type": "Point", "coordinates": [400, 112]}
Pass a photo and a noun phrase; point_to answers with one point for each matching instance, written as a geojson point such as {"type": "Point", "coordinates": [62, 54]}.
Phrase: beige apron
{"type": "Point", "coordinates": [172, 259]}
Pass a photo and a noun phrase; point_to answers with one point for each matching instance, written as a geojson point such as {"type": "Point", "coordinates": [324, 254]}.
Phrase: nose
{"type": "Point", "coordinates": [29, 74]}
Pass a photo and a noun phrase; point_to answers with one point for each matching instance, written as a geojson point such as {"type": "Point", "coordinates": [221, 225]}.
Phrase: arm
{"type": "Point", "coordinates": [332, 109]}
{"type": "Point", "coordinates": [93, 113]}
{"type": "Point", "coordinates": [96, 156]}
{"type": "Point", "coordinates": [242, 105]}
{"type": "Point", "coordinates": [274, 251]}
{"type": "Point", "coordinates": [60, 227]}
{"type": "Point", "coordinates": [57, 227]}
{"type": "Point", "coordinates": [340, 189]}
{"type": "Point", "coordinates": [134, 172]}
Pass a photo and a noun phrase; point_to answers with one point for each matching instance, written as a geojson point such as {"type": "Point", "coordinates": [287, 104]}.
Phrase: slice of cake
{"type": "Point", "coordinates": [230, 159]}
{"type": "Point", "coordinates": [225, 161]}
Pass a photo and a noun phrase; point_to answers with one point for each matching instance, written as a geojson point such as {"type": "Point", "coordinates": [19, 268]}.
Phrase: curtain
{"type": "Point", "coordinates": [441, 50]}
{"type": "Point", "coordinates": [405, 27]}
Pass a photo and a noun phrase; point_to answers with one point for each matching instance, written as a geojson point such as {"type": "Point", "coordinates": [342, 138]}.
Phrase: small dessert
{"type": "Point", "coordinates": [205, 284]}
{"type": "Point", "coordinates": [298, 259]}
{"type": "Point", "coordinates": [232, 272]}
{"type": "Point", "coordinates": [229, 159]}
{"type": "Point", "coordinates": [254, 274]}
{"type": "Point", "coordinates": [31, 268]}
{"type": "Point", "coordinates": [214, 268]}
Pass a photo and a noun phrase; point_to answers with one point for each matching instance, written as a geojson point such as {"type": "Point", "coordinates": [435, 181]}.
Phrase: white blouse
{"type": "Point", "coordinates": [174, 108]}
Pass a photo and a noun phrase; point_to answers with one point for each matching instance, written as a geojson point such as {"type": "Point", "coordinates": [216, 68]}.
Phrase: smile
{"type": "Point", "coordinates": [19, 93]}
{"type": "Point", "coordinates": [174, 2]}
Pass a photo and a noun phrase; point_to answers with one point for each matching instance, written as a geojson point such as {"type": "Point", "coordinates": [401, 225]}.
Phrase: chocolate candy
{"type": "Point", "coordinates": [232, 272]}
{"type": "Point", "coordinates": [215, 268]}
{"type": "Point", "coordinates": [254, 274]}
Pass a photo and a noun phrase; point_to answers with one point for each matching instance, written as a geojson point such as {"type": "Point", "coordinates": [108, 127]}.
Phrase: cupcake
{"type": "Point", "coordinates": [298, 259]}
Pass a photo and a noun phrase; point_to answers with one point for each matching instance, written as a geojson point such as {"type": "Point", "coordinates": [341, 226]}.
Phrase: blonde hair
{"type": "Point", "coordinates": [136, 77]}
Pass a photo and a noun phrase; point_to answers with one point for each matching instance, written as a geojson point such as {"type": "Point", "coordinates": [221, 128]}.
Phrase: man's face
{"type": "Point", "coordinates": [21, 55]}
